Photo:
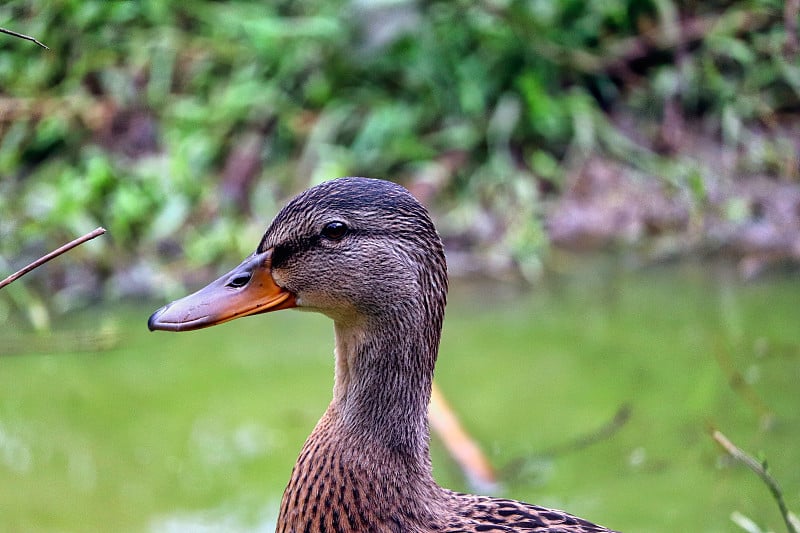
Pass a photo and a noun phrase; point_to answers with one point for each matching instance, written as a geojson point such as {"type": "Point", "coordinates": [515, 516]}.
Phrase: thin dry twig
{"type": "Point", "coordinates": [461, 446]}
{"type": "Point", "coordinates": [604, 432]}
{"type": "Point", "coordinates": [741, 387]}
{"type": "Point", "coordinates": [23, 36]}
{"type": "Point", "coordinates": [55, 253]}
{"type": "Point", "coordinates": [761, 471]}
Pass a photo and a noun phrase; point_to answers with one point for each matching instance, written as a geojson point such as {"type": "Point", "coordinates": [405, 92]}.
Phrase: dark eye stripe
{"type": "Point", "coordinates": [281, 253]}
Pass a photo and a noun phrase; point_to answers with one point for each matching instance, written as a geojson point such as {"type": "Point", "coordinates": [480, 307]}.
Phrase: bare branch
{"type": "Point", "coordinates": [55, 253]}
{"type": "Point", "coordinates": [462, 447]}
{"type": "Point", "coordinates": [606, 431]}
{"type": "Point", "coordinates": [23, 36]}
{"type": "Point", "coordinates": [740, 386]}
{"type": "Point", "coordinates": [760, 470]}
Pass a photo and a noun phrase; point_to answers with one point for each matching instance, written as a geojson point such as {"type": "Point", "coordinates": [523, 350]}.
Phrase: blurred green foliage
{"type": "Point", "coordinates": [181, 127]}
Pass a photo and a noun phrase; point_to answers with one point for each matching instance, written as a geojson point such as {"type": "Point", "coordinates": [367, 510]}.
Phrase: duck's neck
{"type": "Point", "coordinates": [368, 458]}
{"type": "Point", "coordinates": [383, 384]}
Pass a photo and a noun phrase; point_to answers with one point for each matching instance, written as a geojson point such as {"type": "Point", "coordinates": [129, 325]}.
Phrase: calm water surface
{"type": "Point", "coordinates": [107, 427]}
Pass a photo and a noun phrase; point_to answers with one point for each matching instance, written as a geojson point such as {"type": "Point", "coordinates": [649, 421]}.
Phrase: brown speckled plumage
{"type": "Point", "coordinates": [366, 466]}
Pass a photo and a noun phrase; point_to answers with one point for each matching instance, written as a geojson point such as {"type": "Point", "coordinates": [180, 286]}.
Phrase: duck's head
{"type": "Point", "coordinates": [355, 249]}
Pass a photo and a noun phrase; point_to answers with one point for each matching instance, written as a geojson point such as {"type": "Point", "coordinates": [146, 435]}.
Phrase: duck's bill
{"type": "Point", "coordinates": [246, 290]}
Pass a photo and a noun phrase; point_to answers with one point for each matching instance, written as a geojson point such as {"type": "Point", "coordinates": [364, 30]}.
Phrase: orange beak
{"type": "Point", "coordinates": [246, 290]}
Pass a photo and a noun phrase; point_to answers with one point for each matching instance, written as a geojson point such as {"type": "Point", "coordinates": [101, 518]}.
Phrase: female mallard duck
{"type": "Point", "coordinates": [365, 253]}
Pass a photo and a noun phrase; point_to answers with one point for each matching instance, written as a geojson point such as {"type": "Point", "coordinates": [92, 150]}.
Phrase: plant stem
{"type": "Point", "coordinates": [761, 471]}
{"type": "Point", "coordinates": [55, 253]}
{"type": "Point", "coordinates": [23, 36]}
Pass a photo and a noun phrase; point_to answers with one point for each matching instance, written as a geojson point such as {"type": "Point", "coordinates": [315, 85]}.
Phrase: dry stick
{"type": "Point", "coordinates": [761, 471]}
{"type": "Point", "coordinates": [55, 253]}
{"type": "Point", "coordinates": [458, 442]}
{"type": "Point", "coordinates": [22, 36]}
{"type": "Point", "coordinates": [606, 431]}
{"type": "Point", "coordinates": [740, 386]}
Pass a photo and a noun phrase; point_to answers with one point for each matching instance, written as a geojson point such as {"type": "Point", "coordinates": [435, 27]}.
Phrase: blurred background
{"type": "Point", "coordinates": [617, 184]}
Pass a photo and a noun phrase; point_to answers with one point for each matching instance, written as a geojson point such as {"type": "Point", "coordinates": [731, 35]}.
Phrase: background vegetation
{"type": "Point", "coordinates": [661, 126]}
{"type": "Point", "coordinates": [182, 127]}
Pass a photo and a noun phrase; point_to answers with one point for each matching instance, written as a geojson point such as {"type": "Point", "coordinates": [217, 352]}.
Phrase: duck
{"type": "Point", "coordinates": [365, 253]}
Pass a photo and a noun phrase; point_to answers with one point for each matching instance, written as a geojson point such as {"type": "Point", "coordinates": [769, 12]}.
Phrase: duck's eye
{"type": "Point", "coordinates": [334, 230]}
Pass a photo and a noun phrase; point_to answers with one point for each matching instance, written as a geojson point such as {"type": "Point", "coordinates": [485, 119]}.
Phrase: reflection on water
{"type": "Point", "coordinates": [246, 442]}
{"type": "Point", "coordinates": [14, 453]}
{"type": "Point", "coordinates": [222, 519]}
{"type": "Point", "coordinates": [102, 337]}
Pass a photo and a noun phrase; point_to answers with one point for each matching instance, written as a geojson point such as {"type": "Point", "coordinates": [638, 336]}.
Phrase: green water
{"type": "Point", "coordinates": [139, 431]}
